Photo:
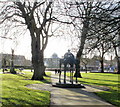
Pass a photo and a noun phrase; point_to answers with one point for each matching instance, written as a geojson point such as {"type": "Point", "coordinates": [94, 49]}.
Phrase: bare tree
{"type": "Point", "coordinates": [104, 30]}
{"type": "Point", "coordinates": [116, 47]}
{"type": "Point", "coordinates": [81, 13]}
{"type": "Point", "coordinates": [85, 61]}
{"type": "Point", "coordinates": [36, 16]}
{"type": "Point", "coordinates": [95, 17]}
{"type": "Point", "coordinates": [100, 41]}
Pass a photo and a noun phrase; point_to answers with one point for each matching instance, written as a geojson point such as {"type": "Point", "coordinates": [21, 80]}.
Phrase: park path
{"type": "Point", "coordinates": [80, 97]}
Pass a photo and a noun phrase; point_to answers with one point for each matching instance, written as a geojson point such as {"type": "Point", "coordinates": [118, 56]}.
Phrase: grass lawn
{"type": "Point", "coordinates": [15, 93]}
{"type": "Point", "coordinates": [104, 79]}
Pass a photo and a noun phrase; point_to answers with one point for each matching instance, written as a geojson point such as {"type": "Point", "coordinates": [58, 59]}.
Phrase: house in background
{"type": "Point", "coordinates": [52, 62]}
{"type": "Point", "coordinates": [19, 60]}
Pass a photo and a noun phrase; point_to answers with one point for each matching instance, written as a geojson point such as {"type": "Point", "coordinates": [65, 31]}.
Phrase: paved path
{"type": "Point", "coordinates": [72, 97]}
{"type": "Point", "coordinates": [75, 96]}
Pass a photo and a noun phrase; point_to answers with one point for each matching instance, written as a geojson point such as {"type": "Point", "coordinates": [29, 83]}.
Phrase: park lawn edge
{"type": "Point", "coordinates": [111, 95]}
{"type": "Point", "coordinates": [18, 94]}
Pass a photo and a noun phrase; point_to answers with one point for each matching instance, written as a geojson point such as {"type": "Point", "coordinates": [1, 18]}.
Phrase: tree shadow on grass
{"type": "Point", "coordinates": [11, 102]}
{"type": "Point", "coordinates": [107, 96]}
{"type": "Point", "coordinates": [46, 81]}
{"type": "Point", "coordinates": [24, 97]}
{"type": "Point", "coordinates": [24, 76]}
{"type": "Point", "coordinates": [106, 74]}
{"type": "Point", "coordinates": [101, 79]}
{"type": "Point", "coordinates": [100, 84]}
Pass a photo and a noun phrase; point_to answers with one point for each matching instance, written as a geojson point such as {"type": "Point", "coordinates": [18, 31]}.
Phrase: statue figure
{"type": "Point", "coordinates": [69, 59]}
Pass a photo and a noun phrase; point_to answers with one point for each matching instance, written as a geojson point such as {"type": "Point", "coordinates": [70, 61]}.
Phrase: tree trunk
{"type": "Point", "coordinates": [45, 74]}
{"type": "Point", "coordinates": [118, 55]}
{"type": "Point", "coordinates": [38, 66]}
{"type": "Point", "coordinates": [118, 60]}
{"type": "Point", "coordinates": [38, 72]}
{"type": "Point", "coordinates": [77, 66]}
{"type": "Point", "coordinates": [4, 65]}
{"type": "Point", "coordinates": [102, 65]}
{"type": "Point", "coordinates": [37, 60]}
{"type": "Point", "coordinates": [102, 58]}
{"type": "Point", "coordinates": [86, 68]}
{"type": "Point", "coordinates": [118, 65]}
{"type": "Point", "coordinates": [82, 43]}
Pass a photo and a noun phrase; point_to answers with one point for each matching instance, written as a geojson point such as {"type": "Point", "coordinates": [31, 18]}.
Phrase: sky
{"type": "Point", "coordinates": [58, 45]}
{"type": "Point", "coordinates": [22, 46]}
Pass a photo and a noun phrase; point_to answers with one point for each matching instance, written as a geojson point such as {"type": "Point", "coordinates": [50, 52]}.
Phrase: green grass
{"type": "Point", "coordinates": [15, 93]}
{"type": "Point", "coordinates": [104, 79]}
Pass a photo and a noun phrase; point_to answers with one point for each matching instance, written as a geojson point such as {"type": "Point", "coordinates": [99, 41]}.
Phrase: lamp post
{"type": "Point", "coordinates": [12, 70]}
{"type": "Point", "coordinates": [4, 64]}
{"type": "Point", "coordinates": [4, 57]}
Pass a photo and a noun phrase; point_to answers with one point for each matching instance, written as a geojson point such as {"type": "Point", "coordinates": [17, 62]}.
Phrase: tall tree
{"type": "Point", "coordinates": [36, 16]}
{"type": "Point", "coordinates": [116, 47]}
{"type": "Point", "coordinates": [82, 12]}
{"type": "Point", "coordinates": [95, 17]}
{"type": "Point", "coordinates": [104, 30]}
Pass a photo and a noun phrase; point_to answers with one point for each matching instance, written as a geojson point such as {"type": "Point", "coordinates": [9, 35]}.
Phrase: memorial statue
{"type": "Point", "coordinates": [69, 63]}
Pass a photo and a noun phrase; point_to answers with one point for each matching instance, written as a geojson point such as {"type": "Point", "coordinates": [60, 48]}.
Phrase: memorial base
{"type": "Point", "coordinates": [62, 85]}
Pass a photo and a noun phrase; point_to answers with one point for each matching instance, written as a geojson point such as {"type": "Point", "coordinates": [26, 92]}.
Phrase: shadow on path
{"type": "Point", "coordinates": [75, 96]}
{"type": "Point", "coordinates": [70, 97]}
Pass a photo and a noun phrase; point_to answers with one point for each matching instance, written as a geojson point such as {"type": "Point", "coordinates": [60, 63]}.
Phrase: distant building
{"type": "Point", "coordinates": [19, 60]}
{"type": "Point", "coordinates": [94, 63]}
{"type": "Point", "coordinates": [52, 62]}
